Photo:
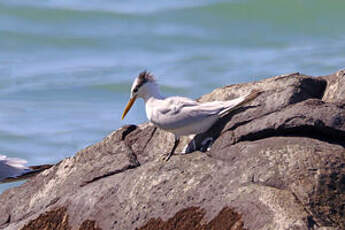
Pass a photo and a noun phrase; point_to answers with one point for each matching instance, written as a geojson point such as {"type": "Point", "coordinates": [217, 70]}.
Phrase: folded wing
{"type": "Point", "coordinates": [14, 169]}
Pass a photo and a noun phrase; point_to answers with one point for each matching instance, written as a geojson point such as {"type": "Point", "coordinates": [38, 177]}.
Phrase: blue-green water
{"type": "Point", "coordinates": [66, 66]}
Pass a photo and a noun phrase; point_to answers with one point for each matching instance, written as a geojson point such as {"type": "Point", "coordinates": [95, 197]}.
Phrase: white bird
{"type": "Point", "coordinates": [180, 115]}
{"type": "Point", "coordinates": [14, 169]}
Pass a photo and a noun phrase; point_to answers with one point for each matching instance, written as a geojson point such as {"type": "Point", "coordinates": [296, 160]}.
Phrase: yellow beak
{"type": "Point", "coordinates": [128, 106]}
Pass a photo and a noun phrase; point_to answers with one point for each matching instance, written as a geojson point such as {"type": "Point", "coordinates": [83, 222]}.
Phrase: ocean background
{"type": "Point", "coordinates": [66, 67]}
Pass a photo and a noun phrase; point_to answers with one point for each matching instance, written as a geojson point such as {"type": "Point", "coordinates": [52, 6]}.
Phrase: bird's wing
{"type": "Point", "coordinates": [14, 169]}
{"type": "Point", "coordinates": [11, 167]}
{"type": "Point", "coordinates": [175, 112]}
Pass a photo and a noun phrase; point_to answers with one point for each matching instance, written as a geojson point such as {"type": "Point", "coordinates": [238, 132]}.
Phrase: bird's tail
{"type": "Point", "coordinates": [27, 173]}
{"type": "Point", "coordinates": [240, 101]}
{"type": "Point", "coordinates": [13, 162]}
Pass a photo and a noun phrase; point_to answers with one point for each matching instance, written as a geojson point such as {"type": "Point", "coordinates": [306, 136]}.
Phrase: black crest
{"type": "Point", "coordinates": [142, 79]}
{"type": "Point", "coordinates": [145, 77]}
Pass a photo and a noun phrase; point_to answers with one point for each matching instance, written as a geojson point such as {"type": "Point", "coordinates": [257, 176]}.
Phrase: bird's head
{"type": "Point", "coordinates": [142, 86]}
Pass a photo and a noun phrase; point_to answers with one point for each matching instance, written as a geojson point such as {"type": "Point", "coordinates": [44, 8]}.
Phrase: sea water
{"type": "Point", "coordinates": [66, 67]}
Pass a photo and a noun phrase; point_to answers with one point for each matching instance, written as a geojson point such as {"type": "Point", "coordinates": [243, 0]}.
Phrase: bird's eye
{"type": "Point", "coordinates": [135, 90]}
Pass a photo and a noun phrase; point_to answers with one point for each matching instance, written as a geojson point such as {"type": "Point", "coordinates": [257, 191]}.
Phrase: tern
{"type": "Point", "coordinates": [14, 169]}
{"type": "Point", "coordinates": [179, 115]}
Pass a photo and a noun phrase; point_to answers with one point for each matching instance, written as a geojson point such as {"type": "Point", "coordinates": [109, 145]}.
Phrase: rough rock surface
{"type": "Point", "coordinates": [277, 163]}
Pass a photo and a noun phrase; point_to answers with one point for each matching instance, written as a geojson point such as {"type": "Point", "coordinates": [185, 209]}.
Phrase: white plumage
{"type": "Point", "coordinates": [180, 115]}
{"type": "Point", "coordinates": [183, 116]}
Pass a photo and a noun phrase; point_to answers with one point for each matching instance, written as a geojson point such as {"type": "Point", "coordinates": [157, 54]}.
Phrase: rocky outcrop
{"type": "Point", "coordinates": [276, 163]}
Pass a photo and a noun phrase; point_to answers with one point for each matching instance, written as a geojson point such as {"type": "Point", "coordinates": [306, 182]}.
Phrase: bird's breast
{"type": "Point", "coordinates": [149, 111]}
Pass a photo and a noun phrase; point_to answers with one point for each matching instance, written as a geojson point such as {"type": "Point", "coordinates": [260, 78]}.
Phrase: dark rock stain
{"type": "Point", "coordinates": [192, 219]}
{"type": "Point", "coordinates": [57, 220]}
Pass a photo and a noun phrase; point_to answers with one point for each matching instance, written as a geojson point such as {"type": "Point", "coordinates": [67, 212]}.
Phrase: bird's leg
{"type": "Point", "coordinates": [177, 141]}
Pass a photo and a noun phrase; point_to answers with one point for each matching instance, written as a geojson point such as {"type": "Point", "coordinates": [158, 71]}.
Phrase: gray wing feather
{"type": "Point", "coordinates": [11, 167]}
{"type": "Point", "coordinates": [179, 111]}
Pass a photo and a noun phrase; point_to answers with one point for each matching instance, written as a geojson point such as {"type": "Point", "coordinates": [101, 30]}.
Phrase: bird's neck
{"type": "Point", "coordinates": [151, 92]}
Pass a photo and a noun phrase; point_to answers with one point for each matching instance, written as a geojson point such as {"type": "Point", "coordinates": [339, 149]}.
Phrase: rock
{"type": "Point", "coordinates": [335, 88]}
{"type": "Point", "coordinates": [276, 163]}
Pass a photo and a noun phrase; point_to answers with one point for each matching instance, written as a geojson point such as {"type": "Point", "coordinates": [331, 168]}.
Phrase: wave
{"type": "Point", "coordinates": [282, 16]}
{"type": "Point", "coordinates": [235, 9]}
{"type": "Point", "coordinates": [130, 7]}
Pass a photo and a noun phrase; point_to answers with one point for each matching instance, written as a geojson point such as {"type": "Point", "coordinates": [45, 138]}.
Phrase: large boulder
{"type": "Point", "coordinates": [276, 163]}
